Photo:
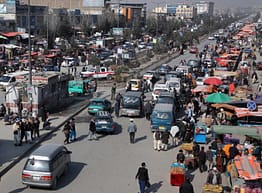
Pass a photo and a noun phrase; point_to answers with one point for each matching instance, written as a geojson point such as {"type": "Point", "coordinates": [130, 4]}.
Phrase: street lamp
{"type": "Point", "coordinates": [29, 89]}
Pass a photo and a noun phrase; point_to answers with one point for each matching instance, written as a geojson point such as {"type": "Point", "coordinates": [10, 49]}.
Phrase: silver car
{"type": "Point", "coordinates": [46, 165]}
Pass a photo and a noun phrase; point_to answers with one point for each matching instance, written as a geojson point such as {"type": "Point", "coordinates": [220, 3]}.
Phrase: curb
{"type": "Point", "coordinates": [42, 138]}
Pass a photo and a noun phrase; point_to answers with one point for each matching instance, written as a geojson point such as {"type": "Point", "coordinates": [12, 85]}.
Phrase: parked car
{"type": "Point", "coordinates": [164, 68]}
{"type": "Point", "coordinates": [46, 165]}
{"type": "Point", "coordinates": [99, 104]}
{"type": "Point", "coordinates": [104, 122]}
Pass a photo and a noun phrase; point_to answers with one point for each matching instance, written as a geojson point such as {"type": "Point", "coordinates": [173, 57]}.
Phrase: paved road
{"type": "Point", "coordinates": [109, 164]}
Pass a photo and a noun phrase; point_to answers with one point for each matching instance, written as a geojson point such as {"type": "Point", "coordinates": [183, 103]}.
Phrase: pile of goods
{"type": "Point", "coordinates": [208, 188]}
{"type": "Point", "coordinates": [187, 146]}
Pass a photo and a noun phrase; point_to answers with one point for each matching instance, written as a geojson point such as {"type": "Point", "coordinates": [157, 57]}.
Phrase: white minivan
{"type": "Point", "coordinates": [159, 87]}
{"type": "Point", "coordinates": [8, 79]}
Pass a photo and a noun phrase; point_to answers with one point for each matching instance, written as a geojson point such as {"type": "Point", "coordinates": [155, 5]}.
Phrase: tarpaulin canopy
{"type": "Point", "coordinates": [218, 98]}
{"type": "Point", "coordinates": [255, 131]}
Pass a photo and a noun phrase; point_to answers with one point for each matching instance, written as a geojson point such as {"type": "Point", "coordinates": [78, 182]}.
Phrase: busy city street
{"type": "Point", "coordinates": [111, 97]}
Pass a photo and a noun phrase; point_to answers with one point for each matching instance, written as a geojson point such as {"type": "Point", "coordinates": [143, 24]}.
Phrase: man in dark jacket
{"type": "Point", "coordinates": [92, 130]}
{"type": "Point", "coordinates": [202, 160]}
{"type": "Point", "coordinates": [180, 156]}
{"type": "Point", "coordinates": [186, 187]}
{"type": "Point", "coordinates": [233, 151]}
{"type": "Point", "coordinates": [143, 178]}
{"type": "Point", "coordinates": [165, 138]}
{"type": "Point", "coordinates": [148, 110]}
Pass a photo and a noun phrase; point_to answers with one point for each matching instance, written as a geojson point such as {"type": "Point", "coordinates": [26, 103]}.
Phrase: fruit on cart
{"type": "Point", "coordinates": [212, 188]}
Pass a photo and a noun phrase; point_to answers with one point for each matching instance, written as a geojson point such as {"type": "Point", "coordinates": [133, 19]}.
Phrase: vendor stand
{"type": "Point", "coordinates": [190, 161]}
{"type": "Point", "coordinates": [200, 133]}
{"type": "Point", "coordinates": [211, 188]}
{"type": "Point", "coordinates": [245, 174]}
{"type": "Point", "coordinates": [177, 174]}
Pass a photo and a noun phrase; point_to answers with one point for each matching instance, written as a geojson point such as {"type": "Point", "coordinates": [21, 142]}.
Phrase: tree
{"type": "Point", "coordinates": [65, 29]}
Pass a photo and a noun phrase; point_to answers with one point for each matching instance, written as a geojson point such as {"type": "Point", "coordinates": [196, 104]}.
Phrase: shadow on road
{"type": "Point", "coordinates": [74, 170]}
{"type": "Point", "coordinates": [141, 138]}
{"type": "Point", "coordinates": [155, 187]}
{"type": "Point", "coordinates": [18, 190]}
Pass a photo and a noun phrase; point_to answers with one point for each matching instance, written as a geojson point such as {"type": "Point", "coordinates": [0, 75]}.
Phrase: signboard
{"type": "Point", "coordinates": [3, 8]}
{"type": "Point", "coordinates": [251, 105]}
{"type": "Point", "coordinates": [11, 6]}
{"type": "Point", "coordinates": [118, 31]}
{"type": "Point", "coordinates": [93, 3]}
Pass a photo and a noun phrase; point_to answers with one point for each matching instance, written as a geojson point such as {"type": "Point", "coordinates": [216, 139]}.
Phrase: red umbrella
{"type": "Point", "coordinates": [213, 80]}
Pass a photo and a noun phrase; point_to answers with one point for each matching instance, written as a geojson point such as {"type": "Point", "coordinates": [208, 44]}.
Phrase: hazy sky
{"type": "Point", "coordinates": [218, 3]}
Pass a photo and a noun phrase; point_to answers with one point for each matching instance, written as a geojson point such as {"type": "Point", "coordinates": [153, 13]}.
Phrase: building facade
{"type": "Point", "coordinates": [205, 8]}
{"type": "Point", "coordinates": [185, 11]}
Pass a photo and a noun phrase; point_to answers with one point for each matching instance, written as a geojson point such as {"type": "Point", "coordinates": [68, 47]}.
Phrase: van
{"type": "Point", "coordinates": [132, 104]}
{"type": "Point", "coordinates": [134, 85]}
{"type": "Point", "coordinates": [163, 117]}
{"type": "Point", "coordinates": [45, 165]}
{"type": "Point", "coordinates": [8, 79]}
{"type": "Point", "coordinates": [159, 87]}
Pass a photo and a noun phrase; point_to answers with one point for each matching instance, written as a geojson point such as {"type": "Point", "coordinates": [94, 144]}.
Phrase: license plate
{"type": "Point", "coordinates": [37, 178]}
{"type": "Point", "coordinates": [103, 127]}
{"type": "Point", "coordinates": [161, 127]}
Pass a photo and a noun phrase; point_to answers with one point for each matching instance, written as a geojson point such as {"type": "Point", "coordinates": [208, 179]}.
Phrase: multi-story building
{"type": "Point", "coordinates": [205, 8]}
{"type": "Point", "coordinates": [185, 11]}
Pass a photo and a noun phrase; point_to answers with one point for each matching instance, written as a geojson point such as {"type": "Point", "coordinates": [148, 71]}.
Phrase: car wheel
{"type": "Point", "coordinates": [109, 77]}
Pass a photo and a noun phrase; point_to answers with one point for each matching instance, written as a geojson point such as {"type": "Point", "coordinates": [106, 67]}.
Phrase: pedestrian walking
{"type": "Point", "coordinates": [148, 110]}
{"type": "Point", "coordinates": [22, 130]}
{"type": "Point", "coordinates": [66, 130]}
{"type": "Point", "coordinates": [196, 150]}
{"type": "Point", "coordinates": [202, 160]}
{"type": "Point", "coordinates": [113, 91]}
{"type": "Point", "coordinates": [92, 130]}
{"type": "Point", "coordinates": [209, 156]}
{"type": "Point", "coordinates": [143, 177]}
{"type": "Point", "coordinates": [186, 186]}
{"type": "Point", "coordinates": [157, 140]}
{"type": "Point", "coordinates": [164, 139]}
{"type": "Point", "coordinates": [28, 131]}
{"type": "Point", "coordinates": [254, 77]}
{"type": "Point", "coordinates": [180, 156]}
{"type": "Point", "coordinates": [214, 177]}
{"type": "Point", "coordinates": [72, 136]}
{"type": "Point", "coordinates": [117, 104]}
{"type": "Point", "coordinates": [132, 130]}
{"type": "Point", "coordinates": [16, 133]}
{"type": "Point", "coordinates": [174, 131]}
{"type": "Point", "coordinates": [36, 127]}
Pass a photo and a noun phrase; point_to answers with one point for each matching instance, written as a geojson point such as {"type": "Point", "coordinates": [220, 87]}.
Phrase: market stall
{"type": "Point", "coordinates": [246, 174]}
{"type": "Point", "coordinates": [190, 161]}
{"type": "Point", "coordinates": [200, 133]}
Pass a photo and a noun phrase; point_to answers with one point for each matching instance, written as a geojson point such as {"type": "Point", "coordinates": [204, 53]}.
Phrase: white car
{"type": "Point", "coordinates": [69, 62]}
{"type": "Point", "coordinates": [211, 38]}
{"type": "Point", "coordinates": [174, 84]}
{"type": "Point", "coordinates": [200, 81]}
{"type": "Point", "coordinates": [159, 87]}
{"type": "Point", "coordinates": [150, 74]}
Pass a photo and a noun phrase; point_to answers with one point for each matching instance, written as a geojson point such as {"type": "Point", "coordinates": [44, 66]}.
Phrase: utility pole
{"type": "Point", "coordinates": [29, 89]}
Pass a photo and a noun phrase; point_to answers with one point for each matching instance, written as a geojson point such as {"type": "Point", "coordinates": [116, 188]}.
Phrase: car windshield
{"type": "Point", "coordinates": [4, 78]}
{"type": "Point", "coordinates": [133, 82]}
{"type": "Point", "coordinates": [161, 115]}
{"type": "Point", "coordinates": [37, 165]}
{"type": "Point", "coordinates": [98, 103]}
